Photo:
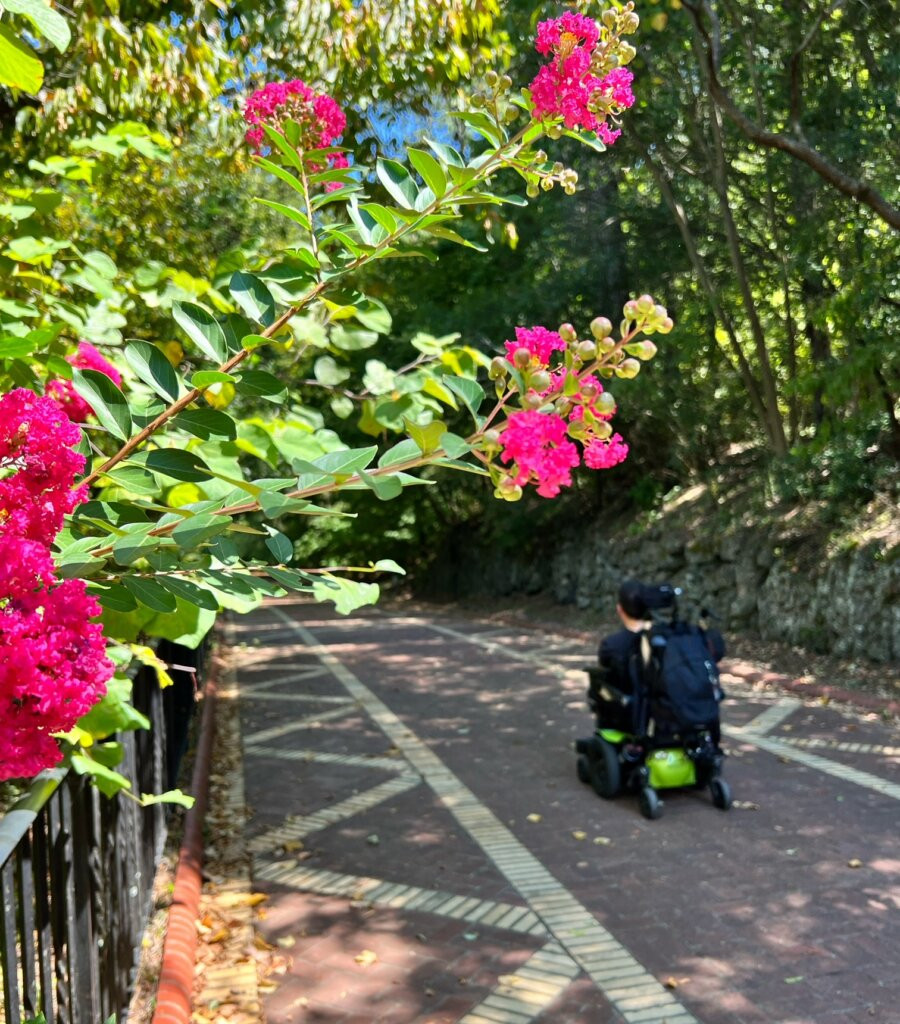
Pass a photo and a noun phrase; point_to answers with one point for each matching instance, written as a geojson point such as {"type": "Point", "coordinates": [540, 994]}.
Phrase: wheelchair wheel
{"type": "Point", "coordinates": [650, 804]}
{"type": "Point", "coordinates": [606, 777]}
{"type": "Point", "coordinates": [720, 792]}
{"type": "Point", "coordinates": [583, 769]}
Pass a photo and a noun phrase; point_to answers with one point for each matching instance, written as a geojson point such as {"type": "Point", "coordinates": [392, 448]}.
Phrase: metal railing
{"type": "Point", "coordinates": [76, 880]}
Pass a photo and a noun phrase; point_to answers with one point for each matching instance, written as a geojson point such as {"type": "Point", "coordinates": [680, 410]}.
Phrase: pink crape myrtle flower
{"type": "Point", "coordinates": [601, 454]}
{"type": "Point", "coordinates": [321, 119]}
{"type": "Point", "coordinates": [541, 453]}
{"type": "Point", "coordinates": [566, 88]}
{"type": "Point", "coordinates": [53, 664]}
{"type": "Point", "coordinates": [86, 357]}
{"type": "Point", "coordinates": [540, 342]}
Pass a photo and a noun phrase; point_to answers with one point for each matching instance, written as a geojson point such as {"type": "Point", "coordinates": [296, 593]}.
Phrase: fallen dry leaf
{"type": "Point", "coordinates": [534, 818]}
{"type": "Point", "coordinates": [578, 834]}
{"type": "Point", "coordinates": [366, 957]}
{"type": "Point", "coordinates": [286, 941]}
{"type": "Point", "coordinates": [602, 840]}
{"type": "Point", "coordinates": [292, 845]}
{"type": "Point", "coordinates": [855, 862]}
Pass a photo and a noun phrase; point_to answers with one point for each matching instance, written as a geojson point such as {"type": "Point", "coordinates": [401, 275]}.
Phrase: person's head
{"type": "Point", "coordinates": [632, 605]}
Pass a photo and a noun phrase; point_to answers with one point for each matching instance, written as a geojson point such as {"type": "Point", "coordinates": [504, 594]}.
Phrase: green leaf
{"type": "Point", "coordinates": [150, 593]}
{"type": "Point", "coordinates": [192, 532]}
{"type": "Point", "coordinates": [174, 463]}
{"type": "Point", "coordinates": [114, 596]}
{"type": "Point", "coordinates": [19, 67]}
{"type": "Point", "coordinates": [402, 452]}
{"type": "Point", "coordinates": [347, 595]}
{"type": "Point", "coordinates": [171, 796]}
{"type": "Point", "coordinates": [152, 367]}
{"type": "Point", "coordinates": [482, 125]}
{"type": "Point", "coordinates": [430, 169]}
{"type": "Point", "coordinates": [346, 461]}
{"type": "Point", "coordinates": [373, 314]}
{"type": "Point", "coordinates": [291, 212]}
{"type": "Point", "coordinates": [106, 401]}
{"type": "Point", "coordinates": [449, 235]}
{"type": "Point", "coordinates": [204, 378]}
{"type": "Point", "coordinates": [99, 262]}
{"type": "Point", "coordinates": [135, 543]}
{"type": "Point", "coordinates": [349, 340]}
{"type": "Point", "coordinates": [454, 445]}
{"type": "Point", "coordinates": [426, 437]}
{"type": "Point", "coordinates": [285, 176]}
{"type": "Point", "coordinates": [385, 487]}
{"type": "Point", "coordinates": [114, 711]}
{"type": "Point", "coordinates": [378, 379]}
{"type": "Point", "coordinates": [253, 297]}
{"type": "Point", "coordinates": [397, 180]}
{"type": "Point", "coordinates": [389, 565]}
{"type": "Point", "coordinates": [206, 424]}
{"type": "Point", "coordinates": [469, 391]}
{"type": "Point", "coordinates": [105, 779]}
{"type": "Point", "coordinates": [282, 144]}
{"type": "Point", "coordinates": [202, 328]}
{"type": "Point", "coordinates": [282, 549]}
{"type": "Point", "coordinates": [51, 24]}
{"type": "Point", "coordinates": [447, 154]}
{"type": "Point", "coordinates": [260, 383]}
{"type": "Point", "coordinates": [189, 591]}
{"type": "Point", "coordinates": [325, 369]}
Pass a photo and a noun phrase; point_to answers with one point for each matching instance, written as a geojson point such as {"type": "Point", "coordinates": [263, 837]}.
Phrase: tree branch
{"type": "Point", "coordinates": [856, 188]}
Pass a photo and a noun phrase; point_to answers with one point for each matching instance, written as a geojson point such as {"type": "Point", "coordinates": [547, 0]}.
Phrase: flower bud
{"type": "Point", "coordinates": [609, 17]}
{"type": "Point", "coordinates": [563, 406]}
{"type": "Point", "coordinates": [586, 351]}
{"type": "Point", "coordinates": [606, 345]}
{"type": "Point", "coordinates": [540, 156]}
{"type": "Point", "coordinates": [577, 429]}
{"type": "Point", "coordinates": [569, 189]}
{"type": "Point", "coordinates": [646, 350]}
{"type": "Point", "coordinates": [602, 430]}
{"type": "Point", "coordinates": [499, 368]}
{"type": "Point", "coordinates": [567, 333]}
{"type": "Point", "coordinates": [627, 53]}
{"type": "Point", "coordinates": [522, 358]}
{"type": "Point", "coordinates": [666, 325]}
{"type": "Point", "coordinates": [645, 304]}
{"type": "Point", "coordinates": [630, 23]}
{"type": "Point", "coordinates": [510, 114]}
{"type": "Point", "coordinates": [491, 440]}
{"type": "Point", "coordinates": [555, 131]}
{"type": "Point", "coordinates": [492, 78]}
{"type": "Point", "coordinates": [532, 190]}
{"type": "Point", "coordinates": [660, 312]}
{"type": "Point", "coordinates": [601, 328]}
{"type": "Point", "coordinates": [541, 380]}
{"type": "Point", "coordinates": [605, 404]}
{"type": "Point", "coordinates": [628, 369]}
{"type": "Point", "coordinates": [630, 310]}
{"type": "Point", "coordinates": [589, 391]}
{"type": "Point", "coordinates": [505, 82]}
{"type": "Point", "coordinates": [507, 489]}
{"type": "Point", "coordinates": [546, 184]}
{"type": "Point", "coordinates": [558, 167]}
{"type": "Point", "coordinates": [531, 400]}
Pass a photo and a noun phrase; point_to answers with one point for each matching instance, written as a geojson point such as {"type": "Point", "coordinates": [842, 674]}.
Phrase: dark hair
{"type": "Point", "coordinates": [632, 599]}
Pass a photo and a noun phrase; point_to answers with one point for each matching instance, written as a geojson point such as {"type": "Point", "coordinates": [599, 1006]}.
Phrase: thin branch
{"type": "Point", "coordinates": [856, 188]}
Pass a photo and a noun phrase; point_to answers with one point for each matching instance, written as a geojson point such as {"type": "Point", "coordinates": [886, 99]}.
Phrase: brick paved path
{"type": "Point", "coordinates": [430, 856]}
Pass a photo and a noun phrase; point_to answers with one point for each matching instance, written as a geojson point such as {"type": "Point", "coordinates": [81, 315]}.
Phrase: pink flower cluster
{"type": "Point", "coordinates": [53, 666]}
{"type": "Point", "coordinates": [320, 118]}
{"type": "Point", "coordinates": [536, 444]}
{"type": "Point", "coordinates": [566, 88]}
{"type": "Point", "coordinates": [85, 358]}
{"type": "Point", "coordinates": [540, 342]}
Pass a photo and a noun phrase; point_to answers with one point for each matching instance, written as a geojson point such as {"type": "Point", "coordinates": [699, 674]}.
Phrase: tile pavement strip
{"type": "Point", "coordinates": [626, 984]}
{"type": "Point", "coordinates": [844, 746]}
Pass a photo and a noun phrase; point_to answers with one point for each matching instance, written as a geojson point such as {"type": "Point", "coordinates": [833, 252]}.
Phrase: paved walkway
{"type": "Point", "coordinates": [429, 855]}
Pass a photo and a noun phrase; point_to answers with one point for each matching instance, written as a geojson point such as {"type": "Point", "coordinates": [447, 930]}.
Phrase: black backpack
{"type": "Point", "coordinates": [681, 675]}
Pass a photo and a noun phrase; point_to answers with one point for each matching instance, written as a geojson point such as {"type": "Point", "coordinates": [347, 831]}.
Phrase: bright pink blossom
{"type": "Point", "coordinates": [605, 454]}
{"type": "Point", "coordinates": [570, 28]}
{"type": "Point", "coordinates": [53, 665]}
{"type": "Point", "coordinates": [537, 446]}
{"type": "Point", "coordinates": [540, 342]}
{"type": "Point", "coordinates": [565, 87]}
{"type": "Point", "coordinates": [320, 118]}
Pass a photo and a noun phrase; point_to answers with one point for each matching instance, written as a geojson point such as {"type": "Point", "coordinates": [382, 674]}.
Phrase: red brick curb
{"type": "Point", "coordinates": [176, 980]}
